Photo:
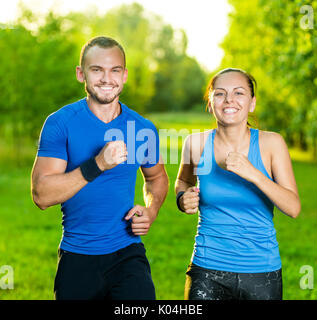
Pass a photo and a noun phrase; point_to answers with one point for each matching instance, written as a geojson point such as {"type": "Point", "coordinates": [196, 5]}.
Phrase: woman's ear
{"type": "Point", "coordinates": [209, 107]}
{"type": "Point", "coordinates": [252, 105]}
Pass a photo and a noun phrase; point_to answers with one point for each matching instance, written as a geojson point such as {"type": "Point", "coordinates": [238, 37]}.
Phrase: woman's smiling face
{"type": "Point", "coordinates": [231, 99]}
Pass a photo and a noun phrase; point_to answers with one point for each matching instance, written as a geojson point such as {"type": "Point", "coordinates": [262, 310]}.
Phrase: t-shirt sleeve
{"type": "Point", "coordinates": [53, 139]}
{"type": "Point", "coordinates": [152, 153]}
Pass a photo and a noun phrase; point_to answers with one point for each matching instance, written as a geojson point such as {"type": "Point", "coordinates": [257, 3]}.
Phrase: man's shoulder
{"type": "Point", "coordinates": [133, 115]}
{"type": "Point", "coordinates": [66, 112]}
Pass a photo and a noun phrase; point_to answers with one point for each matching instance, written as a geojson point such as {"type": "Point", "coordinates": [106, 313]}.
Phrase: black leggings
{"type": "Point", "coordinates": [205, 284]}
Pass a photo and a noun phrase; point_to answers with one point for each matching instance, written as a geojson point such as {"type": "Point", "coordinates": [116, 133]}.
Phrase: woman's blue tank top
{"type": "Point", "coordinates": [235, 230]}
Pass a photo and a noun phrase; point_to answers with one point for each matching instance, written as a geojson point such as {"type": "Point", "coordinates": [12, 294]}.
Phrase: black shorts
{"type": "Point", "coordinates": [205, 284]}
{"type": "Point", "coordinates": [121, 275]}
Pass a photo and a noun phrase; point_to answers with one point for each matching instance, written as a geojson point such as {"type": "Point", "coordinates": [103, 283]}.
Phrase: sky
{"type": "Point", "coordinates": [204, 21]}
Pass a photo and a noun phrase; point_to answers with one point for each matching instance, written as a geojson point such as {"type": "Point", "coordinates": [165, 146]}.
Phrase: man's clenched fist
{"type": "Point", "coordinates": [112, 154]}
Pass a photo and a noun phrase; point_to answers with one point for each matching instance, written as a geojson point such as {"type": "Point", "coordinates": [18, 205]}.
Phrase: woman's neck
{"type": "Point", "coordinates": [234, 138]}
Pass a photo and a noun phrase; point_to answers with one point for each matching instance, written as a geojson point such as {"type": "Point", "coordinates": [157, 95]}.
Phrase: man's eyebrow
{"type": "Point", "coordinates": [100, 67]}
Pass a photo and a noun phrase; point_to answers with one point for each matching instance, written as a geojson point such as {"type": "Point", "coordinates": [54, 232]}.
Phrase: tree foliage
{"type": "Point", "coordinates": [40, 54]}
{"type": "Point", "coordinates": [268, 39]}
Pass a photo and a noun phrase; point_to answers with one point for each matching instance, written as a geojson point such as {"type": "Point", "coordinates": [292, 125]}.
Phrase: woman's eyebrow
{"type": "Point", "coordinates": [239, 88]}
{"type": "Point", "coordinates": [233, 88]}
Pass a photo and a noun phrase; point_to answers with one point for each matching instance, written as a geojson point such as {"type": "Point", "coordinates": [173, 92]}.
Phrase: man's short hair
{"type": "Point", "coordinates": [102, 42]}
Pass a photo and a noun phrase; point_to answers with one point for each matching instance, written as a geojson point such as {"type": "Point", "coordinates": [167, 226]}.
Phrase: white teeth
{"type": "Point", "coordinates": [230, 110]}
{"type": "Point", "coordinates": [106, 88]}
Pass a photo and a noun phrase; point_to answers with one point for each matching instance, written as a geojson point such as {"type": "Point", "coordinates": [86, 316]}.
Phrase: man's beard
{"type": "Point", "coordinates": [98, 99]}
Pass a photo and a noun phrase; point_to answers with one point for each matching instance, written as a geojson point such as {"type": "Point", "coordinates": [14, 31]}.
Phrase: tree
{"type": "Point", "coordinates": [40, 54]}
{"type": "Point", "coordinates": [36, 76]}
{"type": "Point", "coordinates": [266, 39]}
{"type": "Point", "coordinates": [159, 68]}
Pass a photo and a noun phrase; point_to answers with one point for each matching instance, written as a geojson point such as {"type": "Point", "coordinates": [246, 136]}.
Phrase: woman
{"type": "Point", "coordinates": [242, 173]}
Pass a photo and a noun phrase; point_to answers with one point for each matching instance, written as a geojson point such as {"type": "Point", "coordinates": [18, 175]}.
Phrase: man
{"type": "Point", "coordinates": [87, 161]}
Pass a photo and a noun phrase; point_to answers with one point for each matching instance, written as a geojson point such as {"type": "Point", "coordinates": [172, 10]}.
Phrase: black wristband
{"type": "Point", "coordinates": [90, 169]}
{"type": "Point", "coordinates": [177, 200]}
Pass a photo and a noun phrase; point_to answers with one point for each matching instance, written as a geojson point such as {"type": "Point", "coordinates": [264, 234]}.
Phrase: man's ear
{"type": "Point", "coordinates": [80, 74]}
{"type": "Point", "coordinates": [125, 75]}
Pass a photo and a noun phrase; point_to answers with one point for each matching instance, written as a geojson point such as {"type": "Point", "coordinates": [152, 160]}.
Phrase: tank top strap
{"type": "Point", "coordinates": [208, 148]}
{"type": "Point", "coordinates": [205, 162]}
{"type": "Point", "coordinates": [254, 144]}
{"type": "Point", "coordinates": [254, 155]}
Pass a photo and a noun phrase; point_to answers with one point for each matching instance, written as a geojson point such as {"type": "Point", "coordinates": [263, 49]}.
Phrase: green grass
{"type": "Point", "coordinates": [29, 237]}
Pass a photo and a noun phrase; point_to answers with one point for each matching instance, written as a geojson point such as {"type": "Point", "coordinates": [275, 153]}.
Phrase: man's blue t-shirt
{"type": "Point", "coordinates": [93, 219]}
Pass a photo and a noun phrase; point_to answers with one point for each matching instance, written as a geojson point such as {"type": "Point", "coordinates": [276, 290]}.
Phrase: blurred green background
{"type": "Point", "coordinates": [272, 40]}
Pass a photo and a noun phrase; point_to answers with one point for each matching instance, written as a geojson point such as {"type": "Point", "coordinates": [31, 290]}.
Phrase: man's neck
{"type": "Point", "coordinates": [105, 112]}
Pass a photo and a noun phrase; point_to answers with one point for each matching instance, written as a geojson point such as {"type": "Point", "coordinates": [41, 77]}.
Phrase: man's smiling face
{"type": "Point", "coordinates": [104, 74]}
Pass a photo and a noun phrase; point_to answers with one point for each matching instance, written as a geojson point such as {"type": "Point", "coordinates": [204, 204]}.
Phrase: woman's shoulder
{"type": "Point", "coordinates": [199, 135]}
{"type": "Point", "coordinates": [270, 136]}
{"type": "Point", "coordinates": [194, 145]}
{"type": "Point", "coordinates": [271, 140]}
{"type": "Point", "coordinates": [197, 139]}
